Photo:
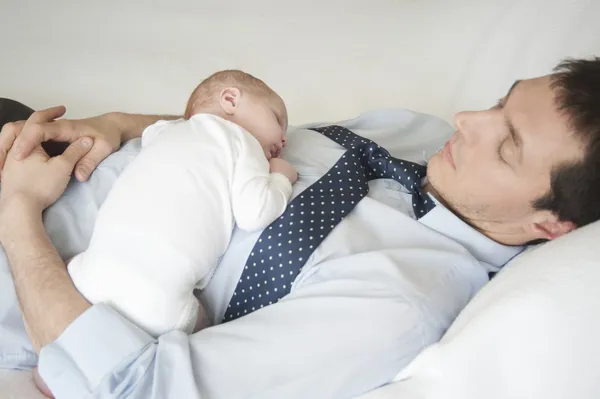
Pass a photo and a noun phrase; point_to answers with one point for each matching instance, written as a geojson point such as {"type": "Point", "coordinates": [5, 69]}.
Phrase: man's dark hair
{"type": "Point", "coordinates": [575, 188]}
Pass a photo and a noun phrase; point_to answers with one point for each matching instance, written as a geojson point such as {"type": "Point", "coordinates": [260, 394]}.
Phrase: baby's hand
{"type": "Point", "coordinates": [279, 165]}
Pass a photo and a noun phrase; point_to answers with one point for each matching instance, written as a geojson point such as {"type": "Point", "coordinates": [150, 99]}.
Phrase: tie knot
{"type": "Point", "coordinates": [374, 155]}
{"type": "Point", "coordinates": [377, 161]}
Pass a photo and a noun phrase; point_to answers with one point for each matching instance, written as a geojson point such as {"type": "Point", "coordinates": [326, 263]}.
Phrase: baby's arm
{"type": "Point", "coordinates": [259, 196]}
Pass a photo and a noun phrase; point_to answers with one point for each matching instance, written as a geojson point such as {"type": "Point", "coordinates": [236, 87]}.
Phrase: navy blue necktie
{"type": "Point", "coordinates": [283, 248]}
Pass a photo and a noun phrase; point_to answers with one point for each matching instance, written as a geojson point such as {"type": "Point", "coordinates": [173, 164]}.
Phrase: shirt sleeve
{"type": "Point", "coordinates": [332, 339]}
{"type": "Point", "coordinates": [258, 197]}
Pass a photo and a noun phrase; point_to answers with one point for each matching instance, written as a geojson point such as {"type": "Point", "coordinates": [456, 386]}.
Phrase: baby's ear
{"type": "Point", "coordinates": [230, 99]}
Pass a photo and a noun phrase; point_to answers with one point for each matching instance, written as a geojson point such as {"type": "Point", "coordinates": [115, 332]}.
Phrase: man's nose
{"type": "Point", "coordinates": [471, 124]}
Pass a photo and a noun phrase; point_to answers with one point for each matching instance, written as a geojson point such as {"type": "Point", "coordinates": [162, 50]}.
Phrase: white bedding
{"type": "Point", "coordinates": [329, 60]}
{"type": "Point", "coordinates": [531, 333]}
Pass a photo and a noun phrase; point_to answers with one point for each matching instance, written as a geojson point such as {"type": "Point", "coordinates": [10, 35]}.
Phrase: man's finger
{"type": "Point", "coordinates": [91, 160]}
{"type": "Point", "coordinates": [59, 131]}
{"type": "Point", "coordinates": [9, 133]}
{"type": "Point", "coordinates": [48, 114]}
{"type": "Point", "coordinates": [74, 152]}
{"type": "Point", "coordinates": [34, 131]}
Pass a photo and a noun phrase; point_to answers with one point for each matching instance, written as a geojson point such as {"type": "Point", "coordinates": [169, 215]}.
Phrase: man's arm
{"type": "Point", "coordinates": [133, 125]}
{"type": "Point", "coordinates": [49, 300]}
{"type": "Point", "coordinates": [333, 339]}
{"type": "Point", "coordinates": [108, 131]}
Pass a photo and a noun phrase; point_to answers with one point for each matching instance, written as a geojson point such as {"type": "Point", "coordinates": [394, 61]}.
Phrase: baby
{"type": "Point", "coordinates": [169, 217]}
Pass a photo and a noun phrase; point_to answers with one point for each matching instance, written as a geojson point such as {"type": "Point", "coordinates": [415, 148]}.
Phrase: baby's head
{"type": "Point", "coordinates": [247, 101]}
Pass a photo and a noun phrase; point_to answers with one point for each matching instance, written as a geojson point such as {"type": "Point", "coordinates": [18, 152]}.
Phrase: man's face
{"type": "Point", "coordinates": [500, 160]}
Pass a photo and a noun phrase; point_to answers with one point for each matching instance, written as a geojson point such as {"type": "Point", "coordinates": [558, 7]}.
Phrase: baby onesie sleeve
{"type": "Point", "coordinates": [258, 197]}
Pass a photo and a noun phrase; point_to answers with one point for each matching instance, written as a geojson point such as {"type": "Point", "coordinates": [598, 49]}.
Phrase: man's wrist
{"type": "Point", "coordinates": [14, 212]}
{"type": "Point", "coordinates": [132, 125]}
{"type": "Point", "coordinates": [123, 122]}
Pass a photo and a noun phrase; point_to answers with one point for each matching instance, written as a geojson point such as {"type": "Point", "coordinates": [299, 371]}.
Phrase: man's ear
{"type": "Point", "coordinates": [552, 227]}
{"type": "Point", "coordinates": [230, 100]}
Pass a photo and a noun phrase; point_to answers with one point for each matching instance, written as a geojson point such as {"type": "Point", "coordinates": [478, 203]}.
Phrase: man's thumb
{"type": "Point", "coordinates": [76, 151]}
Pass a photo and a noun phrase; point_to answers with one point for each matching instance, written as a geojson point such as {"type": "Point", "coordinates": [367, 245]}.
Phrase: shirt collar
{"type": "Point", "coordinates": [493, 254]}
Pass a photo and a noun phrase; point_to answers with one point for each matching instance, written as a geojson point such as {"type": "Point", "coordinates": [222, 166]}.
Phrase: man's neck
{"type": "Point", "coordinates": [429, 189]}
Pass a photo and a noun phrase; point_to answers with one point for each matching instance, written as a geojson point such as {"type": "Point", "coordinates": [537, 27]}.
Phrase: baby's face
{"type": "Point", "coordinates": [266, 120]}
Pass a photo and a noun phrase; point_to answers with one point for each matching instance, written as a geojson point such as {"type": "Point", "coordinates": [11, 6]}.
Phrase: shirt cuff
{"type": "Point", "coordinates": [93, 345]}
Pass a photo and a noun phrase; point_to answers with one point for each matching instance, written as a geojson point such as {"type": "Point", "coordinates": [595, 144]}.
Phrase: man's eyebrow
{"type": "Point", "coordinates": [510, 91]}
{"type": "Point", "coordinates": [514, 133]}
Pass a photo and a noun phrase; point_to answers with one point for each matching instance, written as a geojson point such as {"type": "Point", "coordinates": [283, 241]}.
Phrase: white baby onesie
{"type": "Point", "coordinates": [169, 218]}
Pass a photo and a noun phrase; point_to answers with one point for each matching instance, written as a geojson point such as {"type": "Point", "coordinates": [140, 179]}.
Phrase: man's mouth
{"type": "Point", "coordinates": [447, 153]}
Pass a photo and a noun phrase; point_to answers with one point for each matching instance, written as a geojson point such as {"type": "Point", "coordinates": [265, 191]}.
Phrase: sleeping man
{"type": "Point", "coordinates": [371, 262]}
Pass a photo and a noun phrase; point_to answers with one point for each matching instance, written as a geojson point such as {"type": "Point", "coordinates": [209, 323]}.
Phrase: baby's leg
{"type": "Point", "coordinates": [157, 303]}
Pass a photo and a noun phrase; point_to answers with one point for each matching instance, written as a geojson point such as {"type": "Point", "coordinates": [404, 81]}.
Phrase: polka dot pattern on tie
{"type": "Point", "coordinates": [284, 247]}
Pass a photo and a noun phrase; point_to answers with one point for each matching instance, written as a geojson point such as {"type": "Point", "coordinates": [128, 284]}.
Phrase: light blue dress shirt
{"type": "Point", "coordinates": [379, 289]}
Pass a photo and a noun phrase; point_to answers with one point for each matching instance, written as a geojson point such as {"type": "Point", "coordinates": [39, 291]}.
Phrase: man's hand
{"type": "Point", "coordinates": [279, 165]}
{"type": "Point", "coordinates": [38, 179]}
{"type": "Point", "coordinates": [25, 136]}
{"type": "Point", "coordinates": [49, 300]}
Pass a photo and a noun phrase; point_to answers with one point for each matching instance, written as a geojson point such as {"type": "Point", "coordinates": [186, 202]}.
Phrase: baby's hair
{"type": "Point", "coordinates": [204, 95]}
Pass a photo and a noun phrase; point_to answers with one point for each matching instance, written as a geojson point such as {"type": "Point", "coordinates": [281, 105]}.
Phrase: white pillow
{"type": "Point", "coordinates": [532, 332]}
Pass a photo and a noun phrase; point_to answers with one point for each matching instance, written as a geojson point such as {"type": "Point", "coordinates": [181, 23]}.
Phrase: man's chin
{"type": "Point", "coordinates": [434, 164]}
{"type": "Point", "coordinates": [437, 173]}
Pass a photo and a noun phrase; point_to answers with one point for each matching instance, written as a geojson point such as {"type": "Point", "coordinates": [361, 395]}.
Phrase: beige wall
{"type": "Point", "coordinates": [328, 59]}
